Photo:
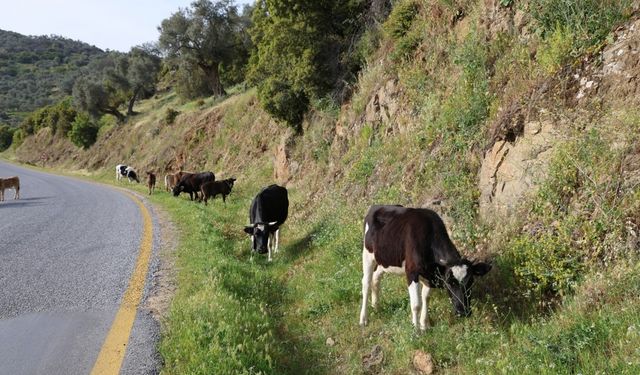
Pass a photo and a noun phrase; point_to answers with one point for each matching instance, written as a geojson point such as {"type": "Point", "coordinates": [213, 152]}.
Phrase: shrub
{"type": "Point", "coordinates": [579, 217]}
{"type": "Point", "coordinates": [555, 51]}
{"type": "Point", "coordinates": [401, 19]}
{"type": "Point", "coordinates": [6, 137]}
{"type": "Point", "coordinates": [170, 115]}
{"type": "Point", "coordinates": [83, 131]}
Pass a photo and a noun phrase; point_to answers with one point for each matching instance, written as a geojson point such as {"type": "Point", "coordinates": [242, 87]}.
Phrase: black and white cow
{"type": "Point", "coordinates": [126, 171]}
{"type": "Point", "coordinates": [268, 212]}
{"type": "Point", "coordinates": [414, 242]}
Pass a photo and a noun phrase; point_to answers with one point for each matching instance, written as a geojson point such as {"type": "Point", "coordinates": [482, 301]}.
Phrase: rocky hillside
{"type": "Point", "coordinates": [520, 129]}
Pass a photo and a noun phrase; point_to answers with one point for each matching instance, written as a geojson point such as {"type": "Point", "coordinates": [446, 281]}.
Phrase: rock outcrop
{"type": "Point", "coordinates": [511, 170]}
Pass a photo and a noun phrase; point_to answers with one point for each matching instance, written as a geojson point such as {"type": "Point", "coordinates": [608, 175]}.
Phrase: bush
{"type": "Point", "coordinates": [283, 102]}
{"type": "Point", "coordinates": [83, 131]}
{"type": "Point", "coordinates": [401, 19]}
{"type": "Point", "coordinates": [579, 216]}
{"type": "Point", "coordinates": [6, 137]}
{"type": "Point", "coordinates": [58, 117]}
{"type": "Point", "coordinates": [170, 115]}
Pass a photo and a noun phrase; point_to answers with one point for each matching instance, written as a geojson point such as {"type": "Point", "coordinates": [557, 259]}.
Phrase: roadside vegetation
{"type": "Point", "coordinates": [386, 104]}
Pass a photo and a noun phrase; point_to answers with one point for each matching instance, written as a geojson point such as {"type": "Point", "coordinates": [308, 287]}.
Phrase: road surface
{"type": "Point", "coordinates": [67, 251]}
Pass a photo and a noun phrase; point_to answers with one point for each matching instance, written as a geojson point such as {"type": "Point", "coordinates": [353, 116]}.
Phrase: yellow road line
{"type": "Point", "coordinates": [115, 345]}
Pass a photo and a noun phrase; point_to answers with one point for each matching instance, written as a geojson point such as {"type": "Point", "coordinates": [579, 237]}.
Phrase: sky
{"type": "Point", "coordinates": [107, 24]}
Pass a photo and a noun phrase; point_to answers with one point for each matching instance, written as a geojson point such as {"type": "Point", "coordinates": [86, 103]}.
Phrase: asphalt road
{"type": "Point", "coordinates": [67, 251]}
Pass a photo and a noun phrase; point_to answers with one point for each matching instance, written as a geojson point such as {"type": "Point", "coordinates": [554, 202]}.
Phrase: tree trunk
{"type": "Point", "coordinates": [132, 100]}
{"type": "Point", "coordinates": [213, 79]}
{"type": "Point", "coordinates": [116, 113]}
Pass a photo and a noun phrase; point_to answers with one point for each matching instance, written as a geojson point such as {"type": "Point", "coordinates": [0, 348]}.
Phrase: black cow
{"type": "Point", "coordinates": [268, 212]}
{"type": "Point", "coordinates": [212, 188]}
{"type": "Point", "coordinates": [414, 242]}
{"type": "Point", "coordinates": [191, 183]}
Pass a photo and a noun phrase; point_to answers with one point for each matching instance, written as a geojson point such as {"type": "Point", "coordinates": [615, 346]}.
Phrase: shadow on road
{"type": "Point", "coordinates": [24, 202]}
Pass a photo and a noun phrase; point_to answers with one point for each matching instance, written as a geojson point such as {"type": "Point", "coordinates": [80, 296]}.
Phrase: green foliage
{"type": "Point", "coordinates": [98, 96]}
{"type": "Point", "coordinates": [57, 117]}
{"type": "Point", "coordinates": [300, 46]}
{"type": "Point", "coordinates": [283, 102]}
{"type": "Point", "coordinates": [35, 71]}
{"type": "Point", "coordinates": [6, 137]}
{"type": "Point", "coordinates": [556, 50]}
{"type": "Point", "coordinates": [578, 222]}
{"type": "Point", "coordinates": [210, 36]}
{"type": "Point", "coordinates": [83, 131]}
{"type": "Point", "coordinates": [191, 82]}
{"type": "Point", "coordinates": [588, 21]}
{"type": "Point", "coordinates": [401, 19]}
{"type": "Point", "coordinates": [170, 115]}
{"type": "Point", "coordinates": [19, 136]}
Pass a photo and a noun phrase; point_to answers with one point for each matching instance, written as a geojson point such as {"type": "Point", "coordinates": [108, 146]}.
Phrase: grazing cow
{"type": "Point", "coordinates": [414, 242]}
{"type": "Point", "coordinates": [213, 188]}
{"type": "Point", "coordinates": [191, 183]}
{"type": "Point", "coordinates": [126, 171]}
{"type": "Point", "coordinates": [172, 179]}
{"type": "Point", "coordinates": [10, 183]}
{"type": "Point", "coordinates": [151, 181]}
{"type": "Point", "coordinates": [268, 212]}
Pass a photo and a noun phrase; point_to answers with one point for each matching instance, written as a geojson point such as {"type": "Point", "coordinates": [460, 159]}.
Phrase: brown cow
{"type": "Point", "coordinates": [212, 188]}
{"type": "Point", "coordinates": [172, 179]}
{"type": "Point", "coordinates": [151, 181]}
{"type": "Point", "coordinates": [10, 183]}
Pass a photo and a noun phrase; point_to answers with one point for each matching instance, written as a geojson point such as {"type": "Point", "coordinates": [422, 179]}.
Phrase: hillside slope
{"type": "Point", "coordinates": [521, 131]}
{"type": "Point", "coordinates": [35, 69]}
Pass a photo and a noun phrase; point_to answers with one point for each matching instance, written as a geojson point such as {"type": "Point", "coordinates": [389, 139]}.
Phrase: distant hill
{"type": "Point", "coordinates": [37, 70]}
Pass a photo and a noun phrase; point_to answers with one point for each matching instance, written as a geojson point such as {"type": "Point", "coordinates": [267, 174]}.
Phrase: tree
{"type": "Point", "coordinates": [300, 47]}
{"type": "Point", "coordinates": [136, 74]}
{"type": "Point", "coordinates": [84, 131]}
{"type": "Point", "coordinates": [205, 35]}
{"type": "Point", "coordinates": [97, 97]}
{"type": "Point", "coordinates": [117, 80]}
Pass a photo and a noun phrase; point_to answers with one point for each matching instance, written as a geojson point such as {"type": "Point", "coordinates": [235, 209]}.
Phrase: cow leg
{"type": "Point", "coordinates": [375, 286]}
{"type": "Point", "coordinates": [414, 297]}
{"type": "Point", "coordinates": [276, 235]}
{"type": "Point", "coordinates": [17, 196]}
{"type": "Point", "coordinates": [424, 317]}
{"type": "Point", "coordinates": [368, 267]}
{"type": "Point", "coordinates": [269, 242]}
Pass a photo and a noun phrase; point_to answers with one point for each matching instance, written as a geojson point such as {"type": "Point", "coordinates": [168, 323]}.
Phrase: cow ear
{"type": "Point", "coordinates": [248, 229]}
{"type": "Point", "coordinates": [481, 268]}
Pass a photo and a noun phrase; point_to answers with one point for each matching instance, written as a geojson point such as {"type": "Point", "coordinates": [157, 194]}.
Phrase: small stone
{"type": "Point", "coordinates": [423, 362]}
{"type": "Point", "coordinates": [330, 342]}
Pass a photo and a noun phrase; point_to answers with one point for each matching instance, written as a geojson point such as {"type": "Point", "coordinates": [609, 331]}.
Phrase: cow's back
{"type": "Point", "coordinates": [271, 204]}
{"type": "Point", "coordinates": [396, 234]}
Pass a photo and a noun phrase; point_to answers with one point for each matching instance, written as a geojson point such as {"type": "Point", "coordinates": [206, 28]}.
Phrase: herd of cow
{"type": "Point", "coordinates": [407, 241]}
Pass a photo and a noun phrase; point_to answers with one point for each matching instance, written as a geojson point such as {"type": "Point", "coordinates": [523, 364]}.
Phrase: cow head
{"type": "Point", "coordinates": [133, 175]}
{"type": "Point", "coordinates": [259, 233]}
{"type": "Point", "coordinates": [458, 280]}
{"type": "Point", "coordinates": [230, 182]}
{"type": "Point", "coordinates": [177, 189]}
